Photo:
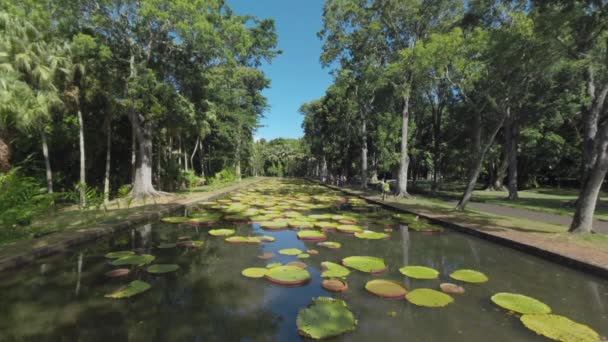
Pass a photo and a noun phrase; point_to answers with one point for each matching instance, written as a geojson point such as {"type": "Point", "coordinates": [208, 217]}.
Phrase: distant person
{"type": "Point", "coordinates": [386, 188]}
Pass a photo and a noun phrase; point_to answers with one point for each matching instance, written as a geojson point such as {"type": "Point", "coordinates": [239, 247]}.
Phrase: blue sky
{"type": "Point", "coordinates": [296, 75]}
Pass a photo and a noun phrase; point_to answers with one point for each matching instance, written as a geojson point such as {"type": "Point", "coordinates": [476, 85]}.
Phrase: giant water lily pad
{"type": "Point", "coordinates": [221, 232]}
{"type": "Point", "coordinates": [311, 235]}
{"type": "Point", "coordinates": [290, 251]}
{"type": "Point", "coordinates": [273, 265]}
{"type": "Point", "coordinates": [254, 272]}
{"type": "Point", "coordinates": [135, 260]}
{"type": "Point", "coordinates": [266, 256]}
{"type": "Point", "coordinates": [419, 272]}
{"type": "Point", "coordinates": [274, 225]}
{"type": "Point", "coordinates": [369, 235]}
{"type": "Point", "coordinates": [469, 276]}
{"type": "Point", "coordinates": [559, 328]}
{"type": "Point", "coordinates": [134, 288]}
{"type": "Point", "coordinates": [349, 229]}
{"type": "Point", "coordinates": [303, 256]}
{"type": "Point", "coordinates": [288, 275]}
{"type": "Point", "coordinates": [330, 244]}
{"type": "Point", "coordinates": [365, 264]}
{"type": "Point", "coordinates": [162, 268]}
{"type": "Point", "coordinates": [451, 288]}
{"type": "Point", "coordinates": [243, 239]}
{"type": "Point", "coordinates": [326, 225]}
{"type": "Point", "coordinates": [326, 317]}
{"type": "Point", "coordinates": [386, 288]}
{"type": "Point", "coordinates": [267, 238]}
{"type": "Point", "coordinates": [205, 220]}
{"type": "Point", "coordinates": [429, 298]}
{"type": "Point", "coordinates": [176, 219]}
{"type": "Point", "coordinates": [297, 264]}
{"type": "Point", "coordinates": [119, 254]}
{"type": "Point", "coordinates": [520, 303]}
{"type": "Point", "coordinates": [334, 285]}
{"type": "Point", "coordinates": [333, 270]}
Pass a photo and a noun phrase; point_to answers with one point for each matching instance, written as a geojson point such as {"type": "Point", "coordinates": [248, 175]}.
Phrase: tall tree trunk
{"type": "Point", "coordinates": [5, 154]}
{"type": "Point", "coordinates": [142, 186]}
{"type": "Point", "coordinates": [47, 162]}
{"type": "Point", "coordinates": [511, 133]}
{"type": "Point", "coordinates": [363, 150]}
{"type": "Point", "coordinates": [106, 178]}
{"type": "Point", "coordinates": [404, 159]}
{"type": "Point", "coordinates": [501, 173]}
{"type": "Point", "coordinates": [194, 153]}
{"type": "Point", "coordinates": [202, 159]}
{"type": "Point", "coordinates": [83, 179]}
{"type": "Point", "coordinates": [133, 154]}
{"type": "Point", "coordinates": [237, 159]}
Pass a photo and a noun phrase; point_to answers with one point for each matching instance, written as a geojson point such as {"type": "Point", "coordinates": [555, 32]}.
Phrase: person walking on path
{"type": "Point", "coordinates": [386, 188]}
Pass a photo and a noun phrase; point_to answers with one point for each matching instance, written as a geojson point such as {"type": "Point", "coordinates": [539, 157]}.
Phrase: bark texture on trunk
{"type": "Point", "coordinates": [497, 182]}
{"type": "Point", "coordinates": [511, 137]}
{"type": "Point", "coordinates": [363, 151]}
{"type": "Point", "coordinates": [133, 154]}
{"type": "Point", "coordinates": [5, 154]}
{"type": "Point", "coordinates": [142, 185]}
{"type": "Point", "coordinates": [404, 159]}
{"type": "Point", "coordinates": [202, 159]}
{"type": "Point", "coordinates": [83, 180]}
{"type": "Point", "coordinates": [106, 177]}
{"type": "Point", "coordinates": [47, 162]}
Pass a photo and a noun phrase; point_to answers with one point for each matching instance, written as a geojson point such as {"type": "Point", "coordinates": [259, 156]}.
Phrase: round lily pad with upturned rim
{"type": "Point", "coordinates": [119, 254]}
{"type": "Point", "coordinates": [334, 285]}
{"type": "Point", "coordinates": [559, 328]}
{"type": "Point", "coordinates": [176, 219]}
{"type": "Point", "coordinates": [266, 256]}
{"type": "Point", "coordinates": [312, 251]}
{"type": "Point", "coordinates": [326, 225]}
{"type": "Point", "coordinates": [450, 288]}
{"type": "Point", "coordinates": [326, 317]}
{"type": "Point", "coordinates": [429, 298]}
{"type": "Point", "coordinates": [349, 229]}
{"type": "Point", "coordinates": [333, 270]}
{"type": "Point", "coordinates": [290, 251]}
{"type": "Point", "coordinates": [303, 256]}
{"type": "Point", "coordinates": [221, 232]}
{"type": "Point", "coordinates": [311, 235]}
{"type": "Point", "coordinates": [297, 264]}
{"type": "Point", "coordinates": [274, 225]}
{"type": "Point", "coordinates": [162, 268]}
{"type": "Point", "coordinates": [135, 260]}
{"type": "Point", "coordinates": [330, 244]}
{"type": "Point", "coordinates": [254, 272]}
{"type": "Point", "coordinates": [366, 264]}
{"type": "Point", "coordinates": [134, 288]}
{"type": "Point", "coordinates": [419, 272]}
{"type": "Point", "coordinates": [267, 238]}
{"type": "Point", "coordinates": [520, 303]}
{"type": "Point", "coordinates": [386, 288]}
{"type": "Point", "coordinates": [469, 276]}
{"type": "Point", "coordinates": [370, 235]}
{"type": "Point", "coordinates": [243, 239]}
{"type": "Point", "coordinates": [288, 275]}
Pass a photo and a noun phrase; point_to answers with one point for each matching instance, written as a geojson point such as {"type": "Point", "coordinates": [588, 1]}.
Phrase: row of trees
{"type": "Point", "coordinates": [102, 93]}
{"type": "Point", "coordinates": [454, 89]}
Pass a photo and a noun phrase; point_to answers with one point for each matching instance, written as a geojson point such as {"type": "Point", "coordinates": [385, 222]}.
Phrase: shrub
{"type": "Point", "coordinates": [224, 176]}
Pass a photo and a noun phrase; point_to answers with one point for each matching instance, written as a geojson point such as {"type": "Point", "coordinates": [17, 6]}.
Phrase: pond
{"type": "Point", "coordinates": [62, 298]}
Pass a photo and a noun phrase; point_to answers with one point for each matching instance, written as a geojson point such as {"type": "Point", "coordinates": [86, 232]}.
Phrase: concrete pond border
{"type": "Point", "coordinates": [27, 251]}
{"type": "Point", "coordinates": [561, 259]}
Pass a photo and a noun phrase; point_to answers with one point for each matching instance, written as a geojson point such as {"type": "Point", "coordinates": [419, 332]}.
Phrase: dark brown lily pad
{"type": "Point", "coordinates": [450, 288]}
{"type": "Point", "coordinates": [334, 285]}
{"type": "Point", "coordinates": [266, 256]}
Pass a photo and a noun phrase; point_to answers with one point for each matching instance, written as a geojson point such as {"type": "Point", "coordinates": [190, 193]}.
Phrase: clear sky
{"type": "Point", "coordinates": [296, 75]}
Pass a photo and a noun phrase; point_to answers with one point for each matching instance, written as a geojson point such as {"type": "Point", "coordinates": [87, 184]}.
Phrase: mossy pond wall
{"type": "Point", "coordinates": [64, 298]}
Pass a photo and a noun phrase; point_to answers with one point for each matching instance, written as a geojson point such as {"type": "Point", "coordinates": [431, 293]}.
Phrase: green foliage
{"type": "Point", "coordinates": [326, 317]}
{"type": "Point", "coordinates": [224, 176]}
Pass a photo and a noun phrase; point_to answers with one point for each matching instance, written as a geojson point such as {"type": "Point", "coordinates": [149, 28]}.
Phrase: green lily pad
{"type": "Point", "coordinates": [204, 220]}
{"type": "Point", "coordinates": [221, 232]}
{"type": "Point", "coordinates": [274, 225]}
{"type": "Point", "coordinates": [349, 229]}
{"type": "Point", "coordinates": [254, 272]}
{"type": "Point", "coordinates": [243, 239]}
{"type": "Point", "coordinates": [311, 235]}
{"type": "Point", "coordinates": [290, 251]}
{"type": "Point", "coordinates": [135, 260]}
{"type": "Point", "coordinates": [326, 225]}
{"type": "Point", "coordinates": [303, 256]}
{"type": "Point", "coordinates": [320, 216]}
{"type": "Point", "coordinates": [520, 303]}
{"type": "Point", "coordinates": [386, 288]}
{"type": "Point", "coordinates": [166, 245]}
{"type": "Point", "coordinates": [429, 298]}
{"type": "Point", "coordinates": [300, 224]}
{"type": "Point", "coordinates": [119, 254]}
{"type": "Point", "coordinates": [288, 275]}
{"type": "Point", "coordinates": [134, 288]}
{"type": "Point", "coordinates": [419, 272]}
{"type": "Point", "coordinates": [273, 265]}
{"type": "Point", "coordinates": [162, 268]}
{"type": "Point", "coordinates": [368, 234]}
{"type": "Point", "coordinates": [176, 219]}
{"type": "Point", "coordinates": [469, 276]}
{"type": "Point", "coordinates": [559, 328]}
{"type": "Point", "coordinates": [267, 238]}
{"type": "Point", "coordinates": [333, 270]}
{"type": "Point", "coordinates": [326, 317]}
{"type": "Point", "coordinates": [330, 244]}
{"type": "Point", "coordinates": [365, 264]}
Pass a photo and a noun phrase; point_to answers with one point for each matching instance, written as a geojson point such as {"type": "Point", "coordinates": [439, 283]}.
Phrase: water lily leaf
{"type": "Point", "coordinates": [300, 224]}
{"type": "Point", "coordinates": [333, 270]}
{"type": "Point", "coordinates": [334, 285]}
{"type": "Point", "coordinates": [273, 265]}
{"type": "Point", "coordinates": [297, 264]}
{"type": "Point", "coordinates": [237, 217]}
{"type": "Point", "coordinates": [243, 239]}
{"type": "Point", "coordinates": [119, 254]}
{"type": "Point", "coordinates": [290, 251]}
{"type": "Point", "coordinates": [469, 276]}
{"type": "Point", "coordinates": [419, 272]}
{"type": "Point", "coordinates": [135, 260]}
{"type": "Point", "coordinates": [520, 303]}
{"type": "Point", "coordinates": [349, 229]}
{"type": "Point", "coordinates": [320, 216]}
{"type": "Point", "coordinates": [326, 317]}
{"type": "Point", "coordinates": [559, 328]}
{"type": "Point", "coordinates": [330, 244]}
{"type": "Point", "coordinates": [288, 275]}
{"type": "Point", "coordinates": [166, 245]}
{"type": "Point", "coordinates": [429, 298]}
{"type": "Point", "coordinates": [205, 220]}
{"type": "Point", "coordinates": [365, 264]}
{"type": "Point", "coordinates": [266, 238]}
{"type": "Point", "coordinates": [274, 225]}
{"type": "Point", "coordinates": [369, 235]}
{"type": "Point", "coordinates": [119, 272]}
{"type": "Point", "coordinates": [176, 219]}
{"type": "Point", "coordinates": [386, 288]}
{"type": "Point", "coordinates": [266, 256]}
{"type": "Point", "coordinates": [162, 268]}
{"type": "Point", "coordinates": [134, 288]}
{"type": "Point", "coordinates": [311, 235]}
{"type": "Point", "coordinates": [450, 288]}
{"type": "Point", "coordinates": [326, 225]}
{"type": "Point", "coordinates": [221, 232]}
{"type": "Point", "coordinates": [254, 272]}
{"type": "Point", "coordinates": [312, 251]}
{"type": "Point", "coordinates": [303, 256]}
